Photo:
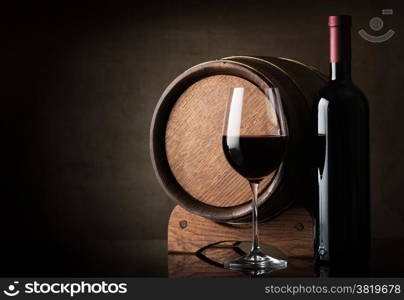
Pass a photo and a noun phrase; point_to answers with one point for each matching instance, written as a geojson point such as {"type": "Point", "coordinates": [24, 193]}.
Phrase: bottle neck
{"type": "Point", "coordinates": [340, 70]}
{"type": "Point", "coordinates": [340, 53]}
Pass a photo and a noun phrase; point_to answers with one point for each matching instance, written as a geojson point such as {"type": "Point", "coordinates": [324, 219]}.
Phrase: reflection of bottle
{"type": "Point", "coordinates": [341, 121]}
{"type": "Point", "coordinates": [322, 271]}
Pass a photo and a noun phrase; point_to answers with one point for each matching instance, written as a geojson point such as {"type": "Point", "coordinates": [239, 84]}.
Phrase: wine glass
{"type": "Point", "coordinates": [254, 143]}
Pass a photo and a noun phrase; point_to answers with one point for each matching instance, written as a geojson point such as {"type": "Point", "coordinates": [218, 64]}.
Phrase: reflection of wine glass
{"type": "Point", "coordinates": [254, 142]}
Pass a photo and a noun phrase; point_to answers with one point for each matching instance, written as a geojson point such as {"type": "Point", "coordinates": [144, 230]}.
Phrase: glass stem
{"type": "Point", "coordinates": [255, 238]}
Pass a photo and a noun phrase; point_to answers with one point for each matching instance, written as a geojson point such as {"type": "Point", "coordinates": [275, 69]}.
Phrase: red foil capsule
{"type": "Point", "coordinates": [339, 38]}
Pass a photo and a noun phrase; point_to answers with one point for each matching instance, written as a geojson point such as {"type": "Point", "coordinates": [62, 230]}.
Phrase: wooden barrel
{"type": "Point", "coordinates": [186, 133]}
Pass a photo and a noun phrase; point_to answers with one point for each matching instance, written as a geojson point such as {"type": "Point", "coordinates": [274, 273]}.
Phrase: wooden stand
{"type": "Point", "coordinates": [291, 232]}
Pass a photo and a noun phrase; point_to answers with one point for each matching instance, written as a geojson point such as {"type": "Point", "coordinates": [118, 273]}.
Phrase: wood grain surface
{"type": "Point", "coordinates": [194, 139]}
{"type": "Point", "coordinates": [291, 232]}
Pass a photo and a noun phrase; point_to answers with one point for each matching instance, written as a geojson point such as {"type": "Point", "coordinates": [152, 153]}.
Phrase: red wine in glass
{"type": "Point", "coordinates": [254, 143]}
{"type": "Point", "coordinates": [254, 157]}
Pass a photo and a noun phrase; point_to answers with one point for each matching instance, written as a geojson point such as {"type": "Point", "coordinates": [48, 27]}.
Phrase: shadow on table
{"type": "Point", "coordinates": [208, 262]}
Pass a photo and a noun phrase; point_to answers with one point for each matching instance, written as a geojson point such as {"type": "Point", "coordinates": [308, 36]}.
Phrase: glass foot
{"type": "Point", "coordinates": [256, 261]}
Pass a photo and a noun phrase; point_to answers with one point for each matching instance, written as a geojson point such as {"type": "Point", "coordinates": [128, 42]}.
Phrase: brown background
{"type": "Point", "coordinates": [81, 81]}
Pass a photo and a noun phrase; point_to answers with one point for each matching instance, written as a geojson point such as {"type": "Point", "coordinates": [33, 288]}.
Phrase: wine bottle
{"type": "Point", "coordinates": [341, 121]}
